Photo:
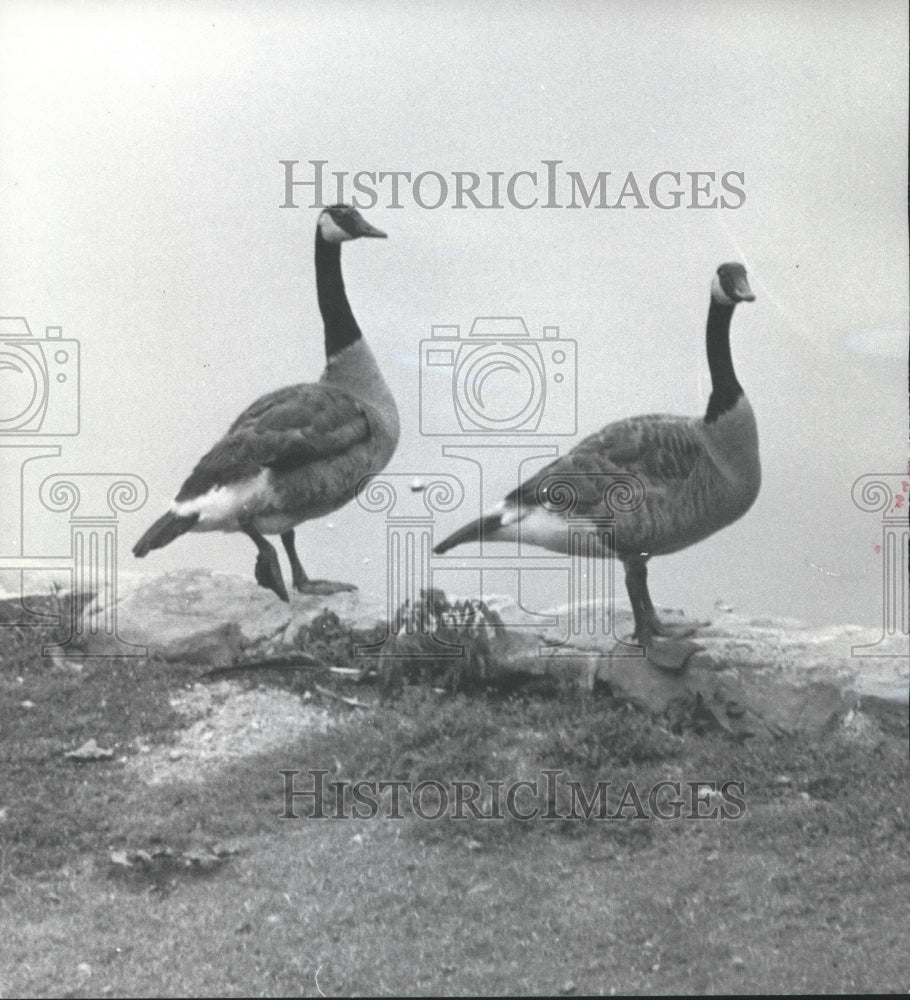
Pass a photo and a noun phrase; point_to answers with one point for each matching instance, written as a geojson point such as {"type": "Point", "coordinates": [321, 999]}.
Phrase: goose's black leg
{"type": "Point", "coordinates": [637, 587]}
{"type": "Point", "coordinates": [268, 572]}
{"type": "Point", "coordinates": [302, 584]}
{"type": "Point", "coordinates": [671, 654]}
{"type": "Point", "coordinates": [298, 577]}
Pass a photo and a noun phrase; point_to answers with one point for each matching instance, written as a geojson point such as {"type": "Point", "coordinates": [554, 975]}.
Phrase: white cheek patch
{"type": "Point", "coordinates": [718, 293]}
{"type": "Point", "coordinates": [331, 231]}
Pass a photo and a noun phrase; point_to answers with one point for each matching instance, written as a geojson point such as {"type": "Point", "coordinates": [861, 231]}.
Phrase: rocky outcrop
{"type": "Point", "coordinates": [209, 618]}
{"type": "Point", "coordinates": [751, 676]}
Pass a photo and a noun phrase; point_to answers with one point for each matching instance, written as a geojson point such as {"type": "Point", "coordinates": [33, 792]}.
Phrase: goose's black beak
{"type": "Point", "coordinates": [365, 229]}
{"type": "Point", "coordinates": [741, 290]}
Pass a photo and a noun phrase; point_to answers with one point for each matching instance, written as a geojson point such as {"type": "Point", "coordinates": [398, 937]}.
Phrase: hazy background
{"type": "Point", "coordinates": [140, 190]}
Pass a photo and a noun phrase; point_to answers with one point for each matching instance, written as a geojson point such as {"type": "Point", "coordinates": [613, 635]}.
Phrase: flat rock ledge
{"type": "Point", "coordinates": [753, 676]}
{"type": "Point", "coordinates": [215, 619]}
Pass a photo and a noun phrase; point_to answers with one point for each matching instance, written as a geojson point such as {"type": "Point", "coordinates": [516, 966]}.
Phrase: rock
{"type": "Point", "coordinates": [210, 618]}
{"type": "Point", "coordinates": [750, 676]}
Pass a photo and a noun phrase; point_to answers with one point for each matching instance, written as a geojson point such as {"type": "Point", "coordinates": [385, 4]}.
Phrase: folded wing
{"type": "Point", "coordinates": [284, 431]}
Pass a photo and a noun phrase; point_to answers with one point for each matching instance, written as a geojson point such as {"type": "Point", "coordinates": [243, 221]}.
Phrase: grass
{"type": "Point", "coordinates": [807, 891]}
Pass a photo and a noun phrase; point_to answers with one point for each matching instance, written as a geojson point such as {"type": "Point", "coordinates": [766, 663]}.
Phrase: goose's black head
{"type": "Point", "coordinates": [731, 286]}
{"type": "Point", "coordinates": [339, 223]}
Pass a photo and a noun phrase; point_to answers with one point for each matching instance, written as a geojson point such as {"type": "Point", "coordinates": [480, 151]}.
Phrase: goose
{"type": "Point", "coordinates": [699, 474]}
{"type": "Point", "coordinates": [300, 452]}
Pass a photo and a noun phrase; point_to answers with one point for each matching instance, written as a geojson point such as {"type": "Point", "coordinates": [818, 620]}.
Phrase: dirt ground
{"type": "Point", "coordinates": [165, 868]}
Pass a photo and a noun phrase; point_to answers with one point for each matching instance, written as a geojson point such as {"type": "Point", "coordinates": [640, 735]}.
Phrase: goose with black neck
{"type": "Point", "coordinates": [697, 475]}
{"type": "Point", "coordinates": [300, 452]}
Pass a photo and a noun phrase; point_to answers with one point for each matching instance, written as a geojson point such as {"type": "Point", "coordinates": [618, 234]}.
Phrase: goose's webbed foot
{"type": "Point", "coordinates": [675, 631]}
{"type": "Point", "coordinates": [302, 583]}
{"type": "Point", "coordinates": [668, 654]}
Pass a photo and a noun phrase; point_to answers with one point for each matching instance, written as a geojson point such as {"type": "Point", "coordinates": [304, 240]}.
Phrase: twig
{"type": "Point", "coordinates": [346, 671]}
{"type": "Point", "coordinates": [352, 702]}
{"type": "Point", "coordinates": [292, 661]}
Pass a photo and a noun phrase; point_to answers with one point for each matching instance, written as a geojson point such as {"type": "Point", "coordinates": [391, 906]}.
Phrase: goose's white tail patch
{"type": "Point", "coordinates": [534, 526]}
{"type": "Point", "coordinates": [545, 528]}
{"type": "Point", "coordinates": [222, 508]}
{"type": "Point", "coordinates": [718, 293]}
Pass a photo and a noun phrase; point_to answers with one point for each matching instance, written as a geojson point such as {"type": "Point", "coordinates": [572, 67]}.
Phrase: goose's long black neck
{"type": "Point", "coordinates": [341, 329]}
{"type": "Point", "coordinates": [725, 389]}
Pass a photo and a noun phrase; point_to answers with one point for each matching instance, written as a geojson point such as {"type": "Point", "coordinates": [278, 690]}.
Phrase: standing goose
{"type": "Point", "coordinates": [699, 474]}
{"type": "Point", "coordinates": [302, 451]}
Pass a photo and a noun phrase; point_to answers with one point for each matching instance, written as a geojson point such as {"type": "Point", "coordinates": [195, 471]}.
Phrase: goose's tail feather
{"type": "Point", "coordinates": [163, 531]}
{"type": "Point", "coordinates": [483, 527]}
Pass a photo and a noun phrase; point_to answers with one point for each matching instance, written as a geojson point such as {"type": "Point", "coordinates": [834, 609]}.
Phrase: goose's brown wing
{"type": "Point", "coordinates": [660, 451]}
{"type": "Point", "coordinates": [284, 430]}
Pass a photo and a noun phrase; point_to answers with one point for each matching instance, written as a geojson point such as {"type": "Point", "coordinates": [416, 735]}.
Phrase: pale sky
{"type": "Point", "coordinates": [140, 187]}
